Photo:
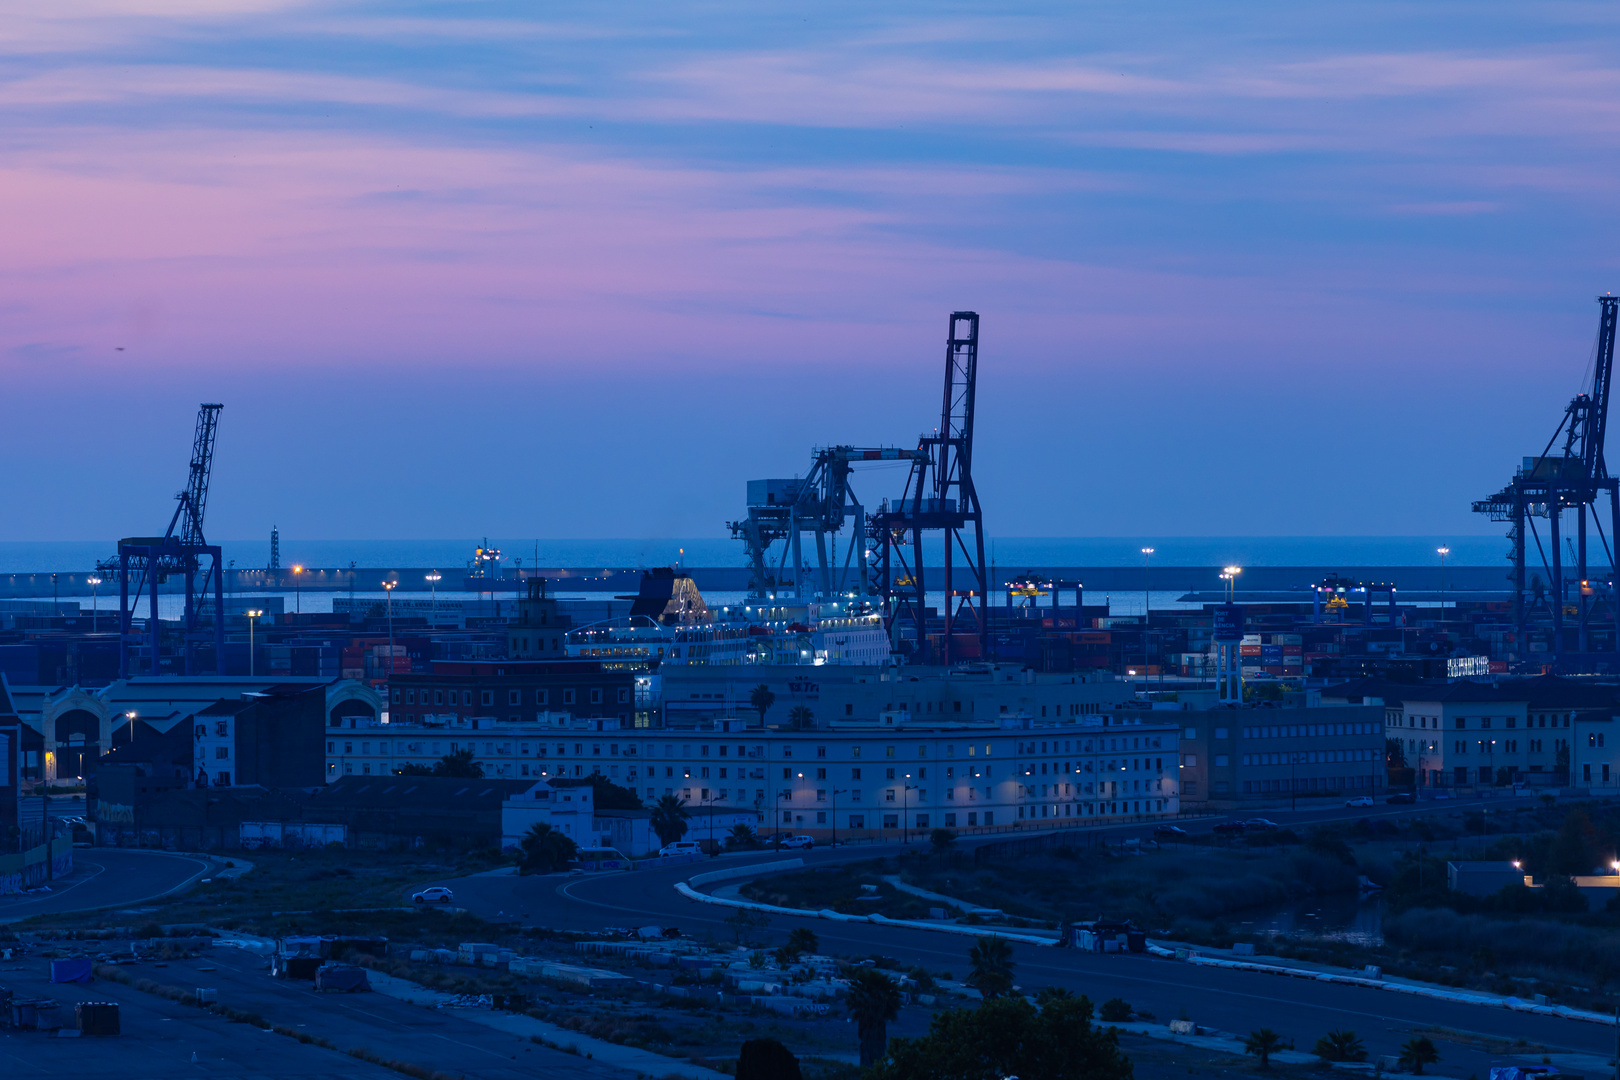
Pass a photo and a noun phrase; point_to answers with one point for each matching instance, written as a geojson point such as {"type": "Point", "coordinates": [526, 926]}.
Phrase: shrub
{"type": "Point", "coordinates": [1115, 1010]}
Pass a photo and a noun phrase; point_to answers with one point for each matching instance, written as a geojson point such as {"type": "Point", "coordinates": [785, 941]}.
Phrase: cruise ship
{"type": "Point", "coordinates": [669, 623]}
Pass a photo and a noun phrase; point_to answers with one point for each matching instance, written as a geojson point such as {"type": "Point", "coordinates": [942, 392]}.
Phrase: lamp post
{"type": "Point", "coordinates": [389, 587]}
{"type": "Point", "coordinates": [1231, 582]}
{"type": "Point", "coordinates": [905, 811]}
{"type": "Point", "coordinates": [836, 792]}
{"type": "Point", "coordinates": [433, 579]}
{"type": "Point", "coordinates": [1147, 556]}
{"type": "Point", "coordinates": [95, 602]}
{"type": "Point", "coordinates": [298, 587]}
{"type": "Point", "coordinates": [776, 826]}
{"type": "Point", "coordinates": [1443, 552]}
{"type": "Point", "coordinates": [251, 613]}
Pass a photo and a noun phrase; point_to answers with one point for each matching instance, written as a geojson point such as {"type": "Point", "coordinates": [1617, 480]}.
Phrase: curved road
{"type": "Point", "coordinates": [110, 877]}
{"type": "Point", "coordinates": [1234, 1001]}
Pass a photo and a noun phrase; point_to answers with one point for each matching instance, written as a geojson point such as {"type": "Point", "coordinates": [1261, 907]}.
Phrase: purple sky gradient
{"type": "Point", "coordinates": [1244, 268]}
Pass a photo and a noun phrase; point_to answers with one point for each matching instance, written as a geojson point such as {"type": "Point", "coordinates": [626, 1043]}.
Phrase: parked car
{"type": "Point", "coordinates": [1230, 827]}
{"type": "Point", "coordinates": [1260, 824]}
{"type": "Point", "coordinates": [800, 841]}
{"type": "Point", "coordinates": [1402, 797]}
{"type": "Point", "coordinates": [681, 847]}
{"type": "Point", "coordinates": [1174, 832]}
{"type": "Point", "coordinates": [436, 895]}
{"type": "Point", "coordinates": [1359, 800]}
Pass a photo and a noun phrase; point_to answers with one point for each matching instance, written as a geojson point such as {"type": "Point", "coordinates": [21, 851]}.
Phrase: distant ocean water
{"type": "Point", "coordinates": [1008, 552]}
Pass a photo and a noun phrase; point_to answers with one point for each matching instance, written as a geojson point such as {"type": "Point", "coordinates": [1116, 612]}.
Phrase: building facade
{"type": "Point", "coordinates": [510, 692]}
{"type": "Point", "coordinates": [1255, 755]}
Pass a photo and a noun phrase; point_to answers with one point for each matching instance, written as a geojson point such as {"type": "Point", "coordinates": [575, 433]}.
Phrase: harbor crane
{"type": "Point", "coordinates": [1552, 483]}
{"type": "Point", "coordinates": [820, 503]}
{"type": "Point", "coordinates": [939, 496]}
{"type": "Point", "coordinates": [145, 562]}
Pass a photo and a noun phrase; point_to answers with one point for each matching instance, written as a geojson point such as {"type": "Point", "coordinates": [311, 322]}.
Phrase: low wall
{"type": "Point", "coordinates": [29, 869]}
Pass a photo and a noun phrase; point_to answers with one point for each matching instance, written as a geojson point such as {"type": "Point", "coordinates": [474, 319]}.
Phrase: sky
{"type": "Point", "coordinates": [582, 270]}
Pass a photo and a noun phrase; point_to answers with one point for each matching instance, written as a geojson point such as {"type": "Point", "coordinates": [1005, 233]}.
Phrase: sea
{"type": "Point", "coordinates": [1476, 550]}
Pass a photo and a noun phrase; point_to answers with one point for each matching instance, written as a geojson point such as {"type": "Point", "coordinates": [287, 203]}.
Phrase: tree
{"type": "Point", "coordinates": [669, 817]}
{"type": "Point", "coordinates": [800, 717]}
{"type": "Point", "coordinates": [1561, 760]}
{"type": "Point", "coordinates": [1416, 1053]}
{"type": "Point", "coordinates": [742, 836]}
{"type": "Point", "coordinates": [803, 940]}
{"type": "Point", "coordinates": [767, 1059]}
{"type": "Point", "coordinates": [992, 962]}
{"type": "Point", "coordinates": [1340, 1046]}
{"type": "Point", "coordinates": [411, 768]}
{"type": "Point", "coordinates": [545, 850]}
{"type": "Point", "coordinates": [1048, 994]}
{"type": "Point", "coordinates": [1115, 1010]}
{"type": "Point", "coordinates": [1009, 1037]}
{"type": "Point", "coordinates": [459, 764]}
{"type": "Point", "coordinates": [1263, 1043]}
{"type": "Point", "coordinates": [606, 795]}
{"type": "Point", "coordinates": [942, 839]}
{"type": "Point", "coordinates": [873, 1000]}
{"type": "Point", "coordinates": [762, 699]}
{"type": "Point", "coordinates": [744, 922]}
{"type": "Point", "coordinates": [1394, 754]}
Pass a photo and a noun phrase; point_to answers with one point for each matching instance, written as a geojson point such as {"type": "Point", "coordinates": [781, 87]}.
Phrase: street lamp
{"type": "Point", "coordinates": [1147, 555]}
{"type": "Point", "coordinates": [905, 811]}
{"type": "Point", "coordinates": [389, 587]}
{"type": "Point", "coordinates": [836, 792]}
{"type": "Point", "coordinates": [298, 588]}
{"type": "Point", "coordinates": [433, 579]}
{"type": "Point", "coordinates": [1443, 552]}
{"type": "Point", "coordinates": [131, 716]}
{"type": "Point", "coordinates": [1231, 581]}
{"type": "Point", "coordinates": [251, 613]}
{"type": "Point", "coordinates": [95, 603]}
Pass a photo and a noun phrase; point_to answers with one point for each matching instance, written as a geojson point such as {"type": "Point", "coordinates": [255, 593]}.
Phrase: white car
{"type": "Point", "coordinates": [1359, 800]}
{"type": "Point", "coordinates": [681, 847]}
{"type": "Point", "coordinates": [436, 895]}
{"type": "Point", "coordinates": [799, 842]}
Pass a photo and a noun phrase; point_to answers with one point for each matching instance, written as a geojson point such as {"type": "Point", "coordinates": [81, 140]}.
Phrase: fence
{"type": "Point", "coordinates": [35, 866]}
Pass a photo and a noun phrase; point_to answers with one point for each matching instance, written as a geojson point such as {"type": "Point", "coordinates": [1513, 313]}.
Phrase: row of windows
{"type": "Point", "coordinates": [1483, 723]}
{"type": "Point", "coordinates": [407, 695]}
{"type": "Point", "coordinates": [1295, 731]}
{"type": "Point", "coordinates": [1306, 757]}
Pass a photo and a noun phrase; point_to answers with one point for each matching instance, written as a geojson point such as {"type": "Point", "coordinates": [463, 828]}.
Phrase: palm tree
{"type": "Point", "coordinates": [1262, 1044]}
{"type": "Point", "coordinates": [459, 764]}
{"type": "Point", "coordinates": [1048, 994]}
{"type": "Point", "coordinates": [1416, 1053]}
{"type": "Point", "coordinates": [803, 940]}
{"type": "Point", "coordinates": [800, 718]}
{"type": "Point", "coordinates": [1340, 1046]}
{"type": "Point", "coordinates": [742, 836]}
{"type": "Point", "coordinates": [669, 819]}
{"type": "Point", "coordinates": [992, 962]}
{"type": "Point", "coordinates": [546, 850]}
{"type": "Point", "coordinates": [873, 1000]}
{"type": "Point", "coordinates": [762, 699]}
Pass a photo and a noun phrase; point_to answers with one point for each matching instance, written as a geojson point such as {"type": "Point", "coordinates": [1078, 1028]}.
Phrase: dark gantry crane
{"type": "Point", "coordinates": [145, 562]}
{"type": "Point", "coordinates": [820, 503]}
{"type": "Point", "coordinates": [939, 496]}
{"type": "Point", "coordinates": [1548, 485]}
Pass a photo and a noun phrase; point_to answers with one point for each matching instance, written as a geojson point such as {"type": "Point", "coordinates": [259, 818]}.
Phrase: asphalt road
{"type": "Point", "coordinates": [1234, 1001]}
{"type": "Point", "coordinates": [110, 878]}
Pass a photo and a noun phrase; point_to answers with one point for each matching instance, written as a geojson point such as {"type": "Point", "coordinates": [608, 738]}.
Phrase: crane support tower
{"type": "Point", "coordinates": [939, 496]}
{"type": "Point", "coordinates": [1551, 484]}
{"type": "Point", "coordinates": [145, 562]}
